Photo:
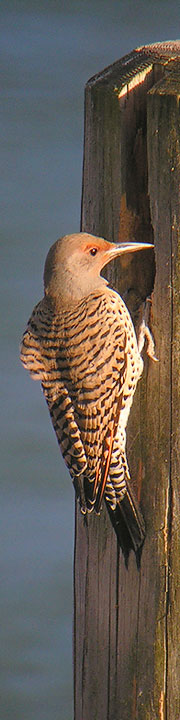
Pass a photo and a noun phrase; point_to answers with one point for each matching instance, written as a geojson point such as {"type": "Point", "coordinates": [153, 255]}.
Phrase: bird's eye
{"type": "Point", "coordinates": [93, 251]}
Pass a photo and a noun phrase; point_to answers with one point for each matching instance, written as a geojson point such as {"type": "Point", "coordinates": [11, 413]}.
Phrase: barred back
{"type": "Point", "coordinates": [88, 363]}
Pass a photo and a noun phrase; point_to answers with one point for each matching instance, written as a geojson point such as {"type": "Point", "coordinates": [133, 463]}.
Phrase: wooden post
{"type": "Point", "coordinates": [127, 621]}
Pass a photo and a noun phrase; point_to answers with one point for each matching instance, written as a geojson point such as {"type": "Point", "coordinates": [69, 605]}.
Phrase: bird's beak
{"type": "Point", "coordinates": [122, 248]}
{"type": "Point", "coordinates": [128, 247]}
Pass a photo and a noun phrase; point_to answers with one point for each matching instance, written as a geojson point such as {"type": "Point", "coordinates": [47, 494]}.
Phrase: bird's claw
{"type": "Point", "coordinates": [145, 334]}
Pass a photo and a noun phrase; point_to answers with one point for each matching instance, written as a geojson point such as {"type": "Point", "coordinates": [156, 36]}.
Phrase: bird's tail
{"type": "Point", "coordinates": [128, 524]}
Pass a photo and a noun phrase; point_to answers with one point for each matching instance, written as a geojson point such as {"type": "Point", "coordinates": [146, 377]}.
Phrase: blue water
{"type": "Point", "coordinates": [49, 49]}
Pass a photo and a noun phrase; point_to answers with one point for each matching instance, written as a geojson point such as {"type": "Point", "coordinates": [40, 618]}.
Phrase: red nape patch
{"type": "Point", "coordinates": [102, 245]}
{"type": "Point", "coordinates": [90, 247]}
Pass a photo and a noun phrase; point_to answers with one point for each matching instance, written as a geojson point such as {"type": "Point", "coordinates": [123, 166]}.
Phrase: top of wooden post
{"type": "Point", "coordinates": [138, 62]}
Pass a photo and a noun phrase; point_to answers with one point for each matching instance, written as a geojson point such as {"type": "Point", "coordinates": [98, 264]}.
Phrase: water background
{"type": "Point", "coordinates": [49, 49]}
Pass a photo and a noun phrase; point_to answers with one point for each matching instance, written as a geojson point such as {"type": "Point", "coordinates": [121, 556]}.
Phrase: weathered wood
{"type": "Point", "coordinates": [164, 187]}
{"type": "Point", "coordinates": [126, 622]}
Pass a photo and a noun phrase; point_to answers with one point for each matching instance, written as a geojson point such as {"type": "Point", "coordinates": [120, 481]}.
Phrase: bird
{"type": "Point", "coordinates": [80, 343]}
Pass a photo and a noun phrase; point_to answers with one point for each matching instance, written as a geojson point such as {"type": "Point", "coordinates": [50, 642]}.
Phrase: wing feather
{"type": "Point", "coordinates": [81, 359]}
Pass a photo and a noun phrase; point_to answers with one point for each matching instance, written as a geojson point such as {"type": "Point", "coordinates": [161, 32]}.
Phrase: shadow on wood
{"type": "Point", "coordinates": [127, 622]}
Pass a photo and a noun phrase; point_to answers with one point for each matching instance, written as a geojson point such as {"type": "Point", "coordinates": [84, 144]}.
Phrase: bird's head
{"type": "Point", "coordinates": [74, 262]}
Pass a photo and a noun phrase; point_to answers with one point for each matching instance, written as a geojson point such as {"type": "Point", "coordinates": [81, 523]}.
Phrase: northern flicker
{"type": "Point", "coordinates": [81, 344]}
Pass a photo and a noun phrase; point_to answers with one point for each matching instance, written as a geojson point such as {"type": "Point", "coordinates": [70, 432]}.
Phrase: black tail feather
{"type": "Point", "coordinates": [126, 518]}
{"type": "Point", "coordinates": [129, 525]}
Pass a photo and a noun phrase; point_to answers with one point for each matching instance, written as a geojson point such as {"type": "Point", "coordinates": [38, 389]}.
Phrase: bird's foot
{"type": "Point", "coordinates": [145, 335]}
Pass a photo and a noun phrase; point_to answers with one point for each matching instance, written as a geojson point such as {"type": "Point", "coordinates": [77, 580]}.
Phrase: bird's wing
{"type": "Point", "coordinates": [80, 357]}
{"type": "Point", "coordinates": [96, 342]}
{"type": "Point", "coordinates": [40, 354]}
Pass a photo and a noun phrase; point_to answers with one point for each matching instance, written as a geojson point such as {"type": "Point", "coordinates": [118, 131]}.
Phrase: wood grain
{"type": "Point", "coordinates": [164, 184]}
{"type": "Point", "coordinates": [126, 621]}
